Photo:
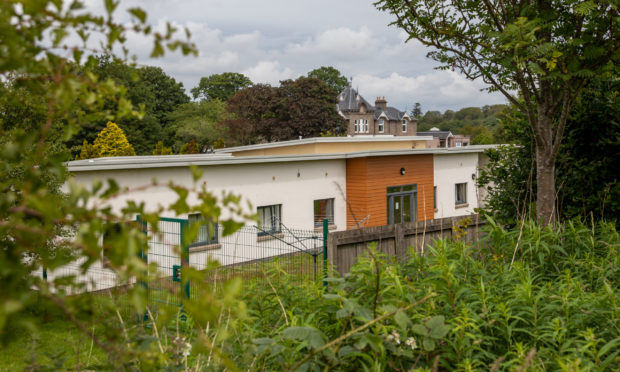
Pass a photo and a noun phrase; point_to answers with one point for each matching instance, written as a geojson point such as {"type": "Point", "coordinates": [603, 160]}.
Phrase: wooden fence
{"type": "Point", "coordinates": [343, 247]}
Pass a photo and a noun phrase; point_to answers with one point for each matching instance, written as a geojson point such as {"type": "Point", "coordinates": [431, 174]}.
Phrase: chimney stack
{"type": "Point", "coordinates": [381, 103]}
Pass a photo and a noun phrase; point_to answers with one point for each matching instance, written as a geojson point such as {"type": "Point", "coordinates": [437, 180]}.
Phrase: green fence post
{"type": "Point", "coordinates": [184, 258]}
{"type": "Point", "coordinates": [144, 257]}
{"type": "Point", "coordinates": [325, 232]}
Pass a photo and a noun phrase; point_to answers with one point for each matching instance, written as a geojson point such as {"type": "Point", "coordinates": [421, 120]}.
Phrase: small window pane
{"type": "Point", "coordinates": [461, 193]}
{"type": "Point", "coordinates": [207, 233]}
{"type": "Point", "coordinates": [323, 209]}
{"type": "Point", "coordinates": [269, 219]}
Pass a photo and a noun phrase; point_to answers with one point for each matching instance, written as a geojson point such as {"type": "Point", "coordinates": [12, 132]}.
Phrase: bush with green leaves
{"type": "Point", "coordinates": [532, 297]}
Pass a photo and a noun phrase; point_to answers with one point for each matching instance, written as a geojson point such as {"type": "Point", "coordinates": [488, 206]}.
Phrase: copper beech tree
{"type": "Point", "coordinates": [539, 54]}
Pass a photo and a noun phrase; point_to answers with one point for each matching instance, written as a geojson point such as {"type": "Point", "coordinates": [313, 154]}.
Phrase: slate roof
{"type": "Point", "coordinates": [349, 100]}
{"type": "Point", "coordinates": [391, 113]}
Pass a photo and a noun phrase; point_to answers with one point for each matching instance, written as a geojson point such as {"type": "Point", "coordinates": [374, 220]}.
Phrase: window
{"type": "Point", "coordinates": [355, 126]}
{"type": "Point", "coordinates": [401, 203]}
{"type": "Point", "coordinates": [459, 144]}
{"type": "Point", "coordinates": [461, 193]}
{"type": "Point", "coordinates": [404, 125]}
{"type": "Point", "coordinates": [207, 232]}
{"type": "Point", "coordinates": [381, 122]}
{"type": "Point", "coordinates": [366, 126]}
{"type": "Point", "coordinates": [323, 209]}
{"type": "Point", "coordinates": [435, 197]}
{"type": "Point", "coordinates": [269, 219]}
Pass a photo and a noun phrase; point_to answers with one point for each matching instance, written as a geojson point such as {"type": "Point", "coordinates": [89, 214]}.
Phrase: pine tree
{"type": "Point", "coordinates": [88, 151]}
{"type": "Point", "coordinates": [111, 141]}
{"type": "Point", "coordinates": [160, 149]}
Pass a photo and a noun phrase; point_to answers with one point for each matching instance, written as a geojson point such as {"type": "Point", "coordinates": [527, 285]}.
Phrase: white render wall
{"type": "Point", "coordinates": [451, 169]}
{"type": "Point", "coordinates": [260, 183]}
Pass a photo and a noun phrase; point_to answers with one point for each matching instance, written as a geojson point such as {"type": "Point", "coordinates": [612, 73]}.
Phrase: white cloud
{"type": "Point", "coordinates": [341, 43]}
{"type": "Point", "coordinates": [439, 90]}
{"type": "Point", "coordinates": [269, 46]}
{"type": "Point", "coordinates": [269, 72]}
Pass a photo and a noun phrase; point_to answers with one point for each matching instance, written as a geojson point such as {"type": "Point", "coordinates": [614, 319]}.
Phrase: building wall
{"type": "Point", "coordinates": [370, 116]}
{"type": "Point", "coordinates": [450, 170]}
{"type": "Point", "coordinates": [334, 147]}
{"type": "Point", "coordinates": [260, 184]}
{"type": "Point", "coordinates": [368, 179]}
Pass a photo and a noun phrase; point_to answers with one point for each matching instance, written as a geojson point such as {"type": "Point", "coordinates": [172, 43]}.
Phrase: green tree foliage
{"type": "Point", "coordinates": [330, 76]}
{"type": "Point", "coordinates": [432, 118]}
{"type": "Point", "coordinates": [538, 54]}
{"type": "Point", "coordinates": [111, 141]}
{"type": "Point", "coordinates": [416, 111]}
{"type": "Point", "coordinates": [587, 180]}
{"type": "Point", "coordinates": [303, 107]}
{"type": "Point", "coordinates": [198, 121]}
{"type": "Point", "coordinates": [160, 149]}
{"type": "Point", "coordinates": [149, 88]}
{"type": "Point", "coordinates": [470, 113]}
{"type": "Point", "coordinates": [189, 148]}
{"type": "Point", "coordinates": [88, 151]}
{"type": "Point", "coordinates": [481, 124]}
{"type": "Point", "coordinates": [220, 86]}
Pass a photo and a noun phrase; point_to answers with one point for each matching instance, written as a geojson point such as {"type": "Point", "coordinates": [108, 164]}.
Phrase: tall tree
{"type": "Point", "coordinates": [330, 76]}
{"type": "Point", "coordinates": [148, 87]}
{"type": "Point", "coordinates": [416, 111]}
{"type": "Point", "coordinates": [304, 107]}
{"type": "Point", "coordinates": [220, 86]}
{"type": "Point", "coordinates": [587, 178]}
{"type": "Point", "coordinates": [198, 121]}
{"type": "Point", "coordinates": [539, 54]}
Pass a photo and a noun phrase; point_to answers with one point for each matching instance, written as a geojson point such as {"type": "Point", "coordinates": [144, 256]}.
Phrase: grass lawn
{"type": "Point", "coordinates": [56, 345]}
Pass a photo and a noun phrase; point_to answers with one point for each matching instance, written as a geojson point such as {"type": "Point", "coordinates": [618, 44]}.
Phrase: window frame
{"type": "Point", "coordinates": [381, 125]}
{"type": "Point", "coordinates": [275, 217]}
{"type": "Point", "coordinates": [404, 125]}
{"type": "Point", "coordinates": [355, 127]}
{"type": "Point", "coordinates": [463, 199]}
{"type": "Point", "coordinates": [203, 230]}
{"type": "Point", "coordinates": [329, 214]}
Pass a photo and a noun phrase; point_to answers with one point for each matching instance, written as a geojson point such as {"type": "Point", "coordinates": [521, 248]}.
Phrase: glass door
{"type": "Point", "coordinates": [401, 203]}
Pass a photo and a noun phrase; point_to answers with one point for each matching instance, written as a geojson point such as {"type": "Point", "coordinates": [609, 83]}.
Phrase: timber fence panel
{"type": "Point", "coordinates": [398, 240]}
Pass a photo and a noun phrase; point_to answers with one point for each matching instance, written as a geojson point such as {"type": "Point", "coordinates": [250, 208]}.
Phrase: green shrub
{"type": "Point", "coordinates": [536, 297]}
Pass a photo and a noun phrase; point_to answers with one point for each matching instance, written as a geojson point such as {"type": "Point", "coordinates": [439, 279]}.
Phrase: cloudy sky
{"type": "Point", "coordinates": [272, 40]}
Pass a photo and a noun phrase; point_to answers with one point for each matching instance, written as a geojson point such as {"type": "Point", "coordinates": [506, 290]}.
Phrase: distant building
{"type": "Point", "coordinates": [366, 119]}
{"type": "Point", "coordinates": [445, 138]}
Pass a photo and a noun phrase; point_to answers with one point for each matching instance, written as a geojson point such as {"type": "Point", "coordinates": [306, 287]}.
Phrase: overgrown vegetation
{"type": "Point", "coordinates": [529, 298]}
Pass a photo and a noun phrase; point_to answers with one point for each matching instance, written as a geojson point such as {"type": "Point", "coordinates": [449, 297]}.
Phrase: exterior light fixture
{"type": "Point", "coordinates": [402, 171]}
{"type": "Point", "coordinates": [473, 176]}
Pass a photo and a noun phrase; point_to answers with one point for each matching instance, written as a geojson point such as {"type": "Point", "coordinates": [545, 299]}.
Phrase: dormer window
{"type": "Point", "coordinates": [381, 125]}
{"type": "Point", "coordinates": [404, 121]}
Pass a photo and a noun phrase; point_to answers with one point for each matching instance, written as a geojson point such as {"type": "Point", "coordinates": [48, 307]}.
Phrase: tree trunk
{"type": "Point", "coordinates": [545, 171]}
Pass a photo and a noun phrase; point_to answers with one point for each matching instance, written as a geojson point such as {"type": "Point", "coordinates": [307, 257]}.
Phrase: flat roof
{"type": "Point", "coordinates": [172, 161]}
{"type": "Point", "coordinates": [313, 140]}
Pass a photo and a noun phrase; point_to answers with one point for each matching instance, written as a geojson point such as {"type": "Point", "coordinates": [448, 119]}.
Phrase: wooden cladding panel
{"type": "Point", "coordinates": [369, 178]}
